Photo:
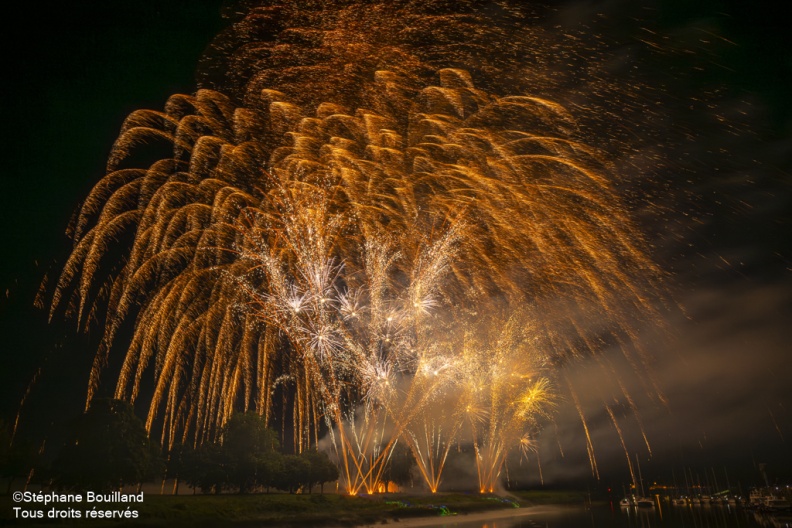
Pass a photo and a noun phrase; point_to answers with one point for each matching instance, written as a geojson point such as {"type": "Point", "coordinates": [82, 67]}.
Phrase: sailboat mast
{"type": "Point", "coordinates": [640, 476]}
{"type": "Point", "coordinates": [728, 484]}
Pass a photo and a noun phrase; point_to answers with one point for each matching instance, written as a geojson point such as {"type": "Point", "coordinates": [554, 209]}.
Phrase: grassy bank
{"type": "Point", "coordinates": [272, 510]}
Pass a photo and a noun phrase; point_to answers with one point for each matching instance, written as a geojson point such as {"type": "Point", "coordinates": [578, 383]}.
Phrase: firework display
{"type": "Point", "coordinates": [367, 226]}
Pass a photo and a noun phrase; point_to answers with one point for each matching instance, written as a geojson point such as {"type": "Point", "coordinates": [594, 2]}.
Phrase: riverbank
{"type": "Point", "coordinates": [284, 510]}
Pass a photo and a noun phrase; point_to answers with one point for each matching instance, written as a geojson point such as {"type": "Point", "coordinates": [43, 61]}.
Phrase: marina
{"type": "Point", "coordinates": [608, 516]}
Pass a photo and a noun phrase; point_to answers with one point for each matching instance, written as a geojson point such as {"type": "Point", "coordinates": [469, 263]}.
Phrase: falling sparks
{"type": "Point", "coordinates": [334, 217]}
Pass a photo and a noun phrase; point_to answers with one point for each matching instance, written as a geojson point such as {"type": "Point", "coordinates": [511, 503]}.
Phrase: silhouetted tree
{"type": "Point", "coordinates": [248, 458]}
{"type": "Point", "coordinates": [268, 469]}
{"type": "Point", "coordinates": [206, 468]}
{"type": "Point", "coordinates": [175, 467]}
{"type": "Point", "coordinates": [17, 461]}
{"type": "Point", "coordinates": [321, 469]}
{"type": "Point", "coordinates": [109, 447]}
{"type": "Point", "coordinates": [251, 450]}
{"type": "Point", "coordinates": [293, 474]}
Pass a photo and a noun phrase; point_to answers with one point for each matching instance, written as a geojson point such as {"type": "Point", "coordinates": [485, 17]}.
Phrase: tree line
{"type": "Point", "coordinates": [109, 448]}
{"type": "Point", "coordinates": [249, 459]}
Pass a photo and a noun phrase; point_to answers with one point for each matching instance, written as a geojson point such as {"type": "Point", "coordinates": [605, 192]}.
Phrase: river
{"type": "Point", "coordinates": [616, 517]}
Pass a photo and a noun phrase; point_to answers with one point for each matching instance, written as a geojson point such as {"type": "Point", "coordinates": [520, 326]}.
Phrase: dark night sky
{"type": "Point", "coordinates": [73, 72]}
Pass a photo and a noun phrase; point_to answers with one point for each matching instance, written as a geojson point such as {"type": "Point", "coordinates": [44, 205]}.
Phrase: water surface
{"type": "Point", "coordinates": [667, 516]}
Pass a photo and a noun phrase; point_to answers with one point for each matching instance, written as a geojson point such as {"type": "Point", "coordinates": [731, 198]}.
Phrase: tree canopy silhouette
{"type": "Point", "coordinates": [108, 448]}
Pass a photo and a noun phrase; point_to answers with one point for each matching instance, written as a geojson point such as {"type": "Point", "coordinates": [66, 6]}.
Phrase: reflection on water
{"type": "Point", "coordinates": [665, 516]}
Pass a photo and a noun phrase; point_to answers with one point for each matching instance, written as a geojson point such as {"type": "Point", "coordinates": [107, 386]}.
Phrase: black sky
{"type": "Point", "coordinates": [73, 71]}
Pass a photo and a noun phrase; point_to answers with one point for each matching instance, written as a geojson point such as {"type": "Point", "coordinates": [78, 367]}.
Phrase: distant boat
{"type": "Point", "coordinates": [644, 502]}
{"type": "Point", "coordinates": [757, 498]}
{"type": "Point", "coordinates": [774, 503]}
{"type": "Point", "coordinates": [764, 499]}
{"type": "Point", "coordinates": [625, 503]}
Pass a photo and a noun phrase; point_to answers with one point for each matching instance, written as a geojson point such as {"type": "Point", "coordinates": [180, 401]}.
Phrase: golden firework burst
{"type": "Point", "coordinates": [341, 207]}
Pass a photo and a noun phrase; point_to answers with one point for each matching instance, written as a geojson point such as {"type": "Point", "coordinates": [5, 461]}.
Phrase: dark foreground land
{"type": "Point", "coordinates": [285, 510]}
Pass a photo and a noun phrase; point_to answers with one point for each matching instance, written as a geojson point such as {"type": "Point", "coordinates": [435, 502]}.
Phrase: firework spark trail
{"type": "Point", "coordinates": [337, 200]}
{"type": "Point", "coordinates": [510, 396]}
{"type": "Point", "coordinates": [589, 444]}
{"type": "Point", "coordinates": [343, 342]}
{"type": "Point", "coordinates": [621, 440]}
{"type": "Point", "coordinates": [528, 445]}
{"type": "Point", "coordinates": [287, 239]}
{"type": "Point", "coordinates": [433, 431]}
